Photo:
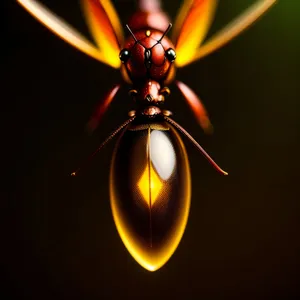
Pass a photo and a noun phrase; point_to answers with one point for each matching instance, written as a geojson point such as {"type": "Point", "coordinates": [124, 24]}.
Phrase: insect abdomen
{"type": "Point", "coordinates": [150, 192]}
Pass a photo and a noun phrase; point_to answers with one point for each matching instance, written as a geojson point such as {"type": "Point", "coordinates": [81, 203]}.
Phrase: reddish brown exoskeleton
{"type": "Point", "coordinates": [150, 184]}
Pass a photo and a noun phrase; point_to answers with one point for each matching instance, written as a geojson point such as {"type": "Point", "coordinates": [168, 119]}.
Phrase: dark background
{"type": "Point", "coordinates": [58, 238]}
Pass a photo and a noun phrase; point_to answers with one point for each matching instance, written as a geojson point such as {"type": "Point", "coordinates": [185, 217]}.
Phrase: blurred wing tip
{"type": "Point", "coordinates": [91, 126]}
{"type": "Point", "coordinates": [225, 35]}
{"type": "Point", "coordinates": [105, 27]}
{"type": "Point", "coordinates": [191, 27]}
{"type": "Point", "coordinates": [208, 128]}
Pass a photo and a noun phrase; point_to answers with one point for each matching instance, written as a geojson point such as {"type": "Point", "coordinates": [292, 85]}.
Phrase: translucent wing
{"type": "Point", "coordinates": [105, 27]}
{"type": "Point", "coordinates": [191, 26]}
{"type": "Point", "coordinates": [232, 30]}
{"type": "Point", "coordinates": [63, 30]}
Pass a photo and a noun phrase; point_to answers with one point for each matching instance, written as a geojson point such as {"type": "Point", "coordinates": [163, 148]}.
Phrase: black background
{"type": "Point", "coordinates": [242, 239]}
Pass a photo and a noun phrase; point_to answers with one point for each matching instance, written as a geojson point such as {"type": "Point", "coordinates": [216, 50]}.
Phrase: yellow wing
{"type": "Point", "coordinates": [191, 26]}
{"type": "Point", "coordinates": [65, 31]}
{"type": "Point", "coordinates": [105, 27]}
{"type": "Point", "coordinates": [232, 30]}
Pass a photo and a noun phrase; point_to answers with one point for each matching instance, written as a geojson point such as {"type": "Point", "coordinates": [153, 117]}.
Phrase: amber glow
{"type": "Point", "coordinates": [149, 258]}
{"type": "Point", "coordinates": [114, 19]}
{"type": "Point", "coordinates": [62, 29]}
{"type": "Point", "coordinates": [234, 28]}
{"type": "Point", "coordinates": [193, 23]}
{"type": "Point", "coordinates": [191, 27]}
{"type": "Point", "coordinates": [109, 51]}
{"type": "Point", "coordinates": [105, 28]}
{"type": "Point", "coordinates": [155, 185]}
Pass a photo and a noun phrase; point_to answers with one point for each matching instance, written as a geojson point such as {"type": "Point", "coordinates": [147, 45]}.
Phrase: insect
{"type": "Point", "coordinates": [150, 182]}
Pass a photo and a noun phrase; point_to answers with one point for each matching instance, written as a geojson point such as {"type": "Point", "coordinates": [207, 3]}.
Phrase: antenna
{"type": "Point", "coordinates": [167, 30]}
{"type": "Point", "coordinates": [104, 143]}
{"type": "Point", "coordinates": [214, 164]}
{"type": "Point", "coordinates": [131, 33]}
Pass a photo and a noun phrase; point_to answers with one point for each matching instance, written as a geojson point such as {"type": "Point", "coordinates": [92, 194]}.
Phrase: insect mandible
{"type": "Point", "coordinates": [150, 182]}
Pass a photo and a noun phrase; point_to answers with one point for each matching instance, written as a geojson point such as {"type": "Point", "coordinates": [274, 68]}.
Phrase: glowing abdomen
{"type": "Point", "coordinates": [150, 192]}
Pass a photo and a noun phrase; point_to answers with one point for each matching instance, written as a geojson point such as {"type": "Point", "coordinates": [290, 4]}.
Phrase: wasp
{"type": "Point", "coordinates": [150, 181]}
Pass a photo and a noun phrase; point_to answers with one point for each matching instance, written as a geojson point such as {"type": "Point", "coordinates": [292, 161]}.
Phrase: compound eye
{"type": "Point", "coordinates": [124, 55]}
{"type": "Point", "coordinates": [171, 54]}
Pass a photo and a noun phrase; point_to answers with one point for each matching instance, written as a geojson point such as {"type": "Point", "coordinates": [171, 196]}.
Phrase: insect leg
{"type": "Point", "coordinates": [101, 108]}
{"type": "Point", "coordinates": [197, 107]}
{"type": "Point", "coordinates": [111, 136]}
{"type": "Point", "coordinates": [181, 129]}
